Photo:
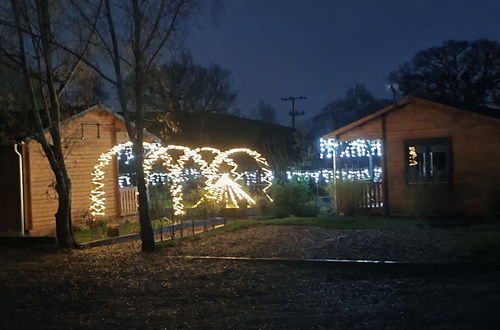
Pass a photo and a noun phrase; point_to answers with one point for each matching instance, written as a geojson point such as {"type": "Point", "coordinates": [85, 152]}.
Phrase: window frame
{"type": "Point", "coordinates": [428, 143]}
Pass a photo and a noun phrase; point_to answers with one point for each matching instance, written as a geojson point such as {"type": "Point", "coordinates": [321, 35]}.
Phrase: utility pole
{"type": "Point", "coordinates": [294, 113]}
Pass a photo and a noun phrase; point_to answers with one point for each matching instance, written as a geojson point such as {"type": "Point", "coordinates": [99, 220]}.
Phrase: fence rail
{"type": "Point", "coordinates": [128, 201]}
{"type": "Point", "coordinates": [371, 195]}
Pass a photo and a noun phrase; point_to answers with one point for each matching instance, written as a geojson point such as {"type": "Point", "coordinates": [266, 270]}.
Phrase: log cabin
{"type": "Point", "coordinates": [434, 160]}
{"type": "Point", "coordinates": [28, 201]}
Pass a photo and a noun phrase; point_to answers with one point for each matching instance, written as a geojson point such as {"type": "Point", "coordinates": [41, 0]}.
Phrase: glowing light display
{"type": "Point", "coordinates": [97, 193]}
{"type": "Point", "coordinates": [230, 192]}
{"type": "Point", "coordinates": [326, 175]}
{"type": "Point", "coordinates": [350, 149]}
{"type": "Point", "coordinates": [219, 185]}
{"type": "Point", "coordinates": [412, 156]}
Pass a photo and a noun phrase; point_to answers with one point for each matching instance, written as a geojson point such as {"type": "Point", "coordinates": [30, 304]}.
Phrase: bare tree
{"type": "Point", "coordinates": [183, 86]}
{"type": "Point", "coordinates": [464, 74]}
{"type": "Point", "coordinates": [266, 113]}
{"type": "Point", "coordinates": [85, 89]}
{"type": "Point", "coordinates": [132, 37]}
{"type": "Point", "coordinates": [30, 30]}
{"type": "Point", "coordinates": [356, 103]}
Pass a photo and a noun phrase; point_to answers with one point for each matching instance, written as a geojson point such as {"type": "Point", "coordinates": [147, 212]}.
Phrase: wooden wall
{"type": "Point", "coordinates": [81, 156]}
{"type": "Point", "coordinates": [475, 142]}
{"type": "Point", "coordinates": [370, 130]}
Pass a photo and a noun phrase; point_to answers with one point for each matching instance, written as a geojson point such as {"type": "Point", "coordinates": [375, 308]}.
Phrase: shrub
{"type": "Point", "coordinates": [207, 209]}
{"type": "Point", "coordinates": [264, 206]}
{"type": "Point", "coordinates": [293, 198]}
{"type": "Point", "coordinates": [160, 203]}
{"type": "Point", "coordinates": [349, 196]}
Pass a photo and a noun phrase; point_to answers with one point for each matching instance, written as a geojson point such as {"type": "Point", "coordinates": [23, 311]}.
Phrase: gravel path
{"type": "Point", "coordinates": [118, 287]}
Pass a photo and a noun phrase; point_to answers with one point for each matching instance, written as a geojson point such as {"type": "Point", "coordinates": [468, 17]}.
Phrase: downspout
{"type": "Point", "coordinates": [21, 186]}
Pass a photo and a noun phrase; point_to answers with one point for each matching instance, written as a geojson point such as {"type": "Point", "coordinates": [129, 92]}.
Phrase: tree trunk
{"type": "Point", "coordinates": [147, 237]}
{"type": "Point", "coordinates": [64, 228]}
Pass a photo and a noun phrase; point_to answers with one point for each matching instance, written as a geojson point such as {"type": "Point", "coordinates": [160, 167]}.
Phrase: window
{"type": "Point", "coordinates": [428, 160]}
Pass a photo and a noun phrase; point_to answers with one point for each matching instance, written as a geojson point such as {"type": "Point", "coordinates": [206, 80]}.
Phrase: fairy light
{"type": "Point", "coordinates": [412, 156]}
{"type": "Point", "coordinates": [224, 157]}
{"type": "Point", "coordinates": [350, 149]}
{"type": "Point", "coordinates": [326, 175]}
{"type": "Point", "coordinates": [218, 186]}
{"type": "Point", "coordinates": [97, 193]}
{"type": "Point", "coordinates": [227, 189]}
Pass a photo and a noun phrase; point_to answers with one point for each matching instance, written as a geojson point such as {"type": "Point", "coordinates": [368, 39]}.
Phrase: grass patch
{"type": "Point", "coordinates": [479, 243]}
{"type": "Point", "coordinates": [98, 233]}
{"type": "Point", "coordinates": [359, 222]}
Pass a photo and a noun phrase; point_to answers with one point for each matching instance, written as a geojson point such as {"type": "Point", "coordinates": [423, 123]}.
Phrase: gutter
{"type": "Point", "coordinates": [21, 186]}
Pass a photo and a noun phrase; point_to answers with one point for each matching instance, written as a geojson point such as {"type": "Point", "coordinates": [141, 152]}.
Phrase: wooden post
{"type": "Point", "coordinates": [335, 191]}
{"type": "Point", "coordinates": [385, 177]}
{"type": "Point", "coordinates": [115, 165]}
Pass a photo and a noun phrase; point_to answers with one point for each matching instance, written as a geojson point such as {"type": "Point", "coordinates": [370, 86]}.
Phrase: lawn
{"type": "Point", "coordinates": [480, 242]}
{"type": "Point", "coordinates": [98, 233]}
{"type": "Point", "coordinates": [335, 222]}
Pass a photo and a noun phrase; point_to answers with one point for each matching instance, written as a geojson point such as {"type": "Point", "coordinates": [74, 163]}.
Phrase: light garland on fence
{"type": "Point", "coordinates": [326, 175]}
{"type": "Point", "coordinates": [350, 149]}
{"type": "Point", "coordinates": [217, 184]}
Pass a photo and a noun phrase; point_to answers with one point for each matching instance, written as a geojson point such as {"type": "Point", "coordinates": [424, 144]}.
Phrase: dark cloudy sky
{"type": "Point", "coordinates": [319, 48]}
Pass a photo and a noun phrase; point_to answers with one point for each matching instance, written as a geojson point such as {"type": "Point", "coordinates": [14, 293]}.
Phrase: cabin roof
{"type": "Point", "coordinates": [491, 113]}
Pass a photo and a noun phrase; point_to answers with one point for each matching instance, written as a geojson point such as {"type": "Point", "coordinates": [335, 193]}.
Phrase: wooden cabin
{"type": "Point", "coordinates": [436, 160]}
{"type": "Point", "coordinates": [28, 198]}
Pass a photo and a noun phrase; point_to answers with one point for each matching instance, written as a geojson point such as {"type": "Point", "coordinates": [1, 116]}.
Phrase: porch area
{"type": "Point", "coordinates": [358, 186]}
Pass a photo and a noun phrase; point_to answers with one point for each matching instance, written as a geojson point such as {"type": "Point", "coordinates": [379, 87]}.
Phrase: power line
{"type": "Point", "coordinates": [294, 113]}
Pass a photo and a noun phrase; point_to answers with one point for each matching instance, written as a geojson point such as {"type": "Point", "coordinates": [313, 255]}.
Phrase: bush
{"type": "Point", "coordinates": [264, 206]}
{"type": "Point", "coordinates": [160, 203]}
{"type": "Point", "coordinates": [208, 208]}
{"type": "Point", "coordinates": [293, 198]}
{"type": "Point", "coordinates": [349, 196]}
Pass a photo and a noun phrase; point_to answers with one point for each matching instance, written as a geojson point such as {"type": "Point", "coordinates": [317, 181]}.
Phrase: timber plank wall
{"type": "Point", "coordinates": [475, 144]}
{"type": "Point", "coordinates": [81, 156]}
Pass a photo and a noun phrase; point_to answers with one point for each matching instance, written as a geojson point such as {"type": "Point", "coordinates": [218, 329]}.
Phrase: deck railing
{"type": "Point", "coordinates": [359, 196]}
{"type": "Point", "coordinates": [371, 195]}
{"type": "Point", "coordinates": [128, 201]}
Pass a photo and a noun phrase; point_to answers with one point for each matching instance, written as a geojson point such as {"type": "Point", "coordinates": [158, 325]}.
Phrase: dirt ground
{"type": "Point", "coordinates": [119, 287]}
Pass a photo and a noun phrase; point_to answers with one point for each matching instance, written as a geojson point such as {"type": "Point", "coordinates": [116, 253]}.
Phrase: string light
{"type": "Point", "coordinates": [350, 149]}
{"type": "Point", "coordinates": [97, 194]}
{"type": "Point", "coordinates": [412, 156]}
{"type": "Point", "coordinates": [216, 184]}
{"type": "Point", "coordinates": [231, 191]}
{"type": "Point", "coordinates": [326, 175]}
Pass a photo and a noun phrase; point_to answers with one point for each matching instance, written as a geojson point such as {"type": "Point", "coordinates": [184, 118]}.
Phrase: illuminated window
{"type": "Point", "coordinates": [428, 161]}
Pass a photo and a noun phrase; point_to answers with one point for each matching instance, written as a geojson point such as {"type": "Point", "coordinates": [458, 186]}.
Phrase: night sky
{"type": "Point", "coordinates": [318, 49]}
